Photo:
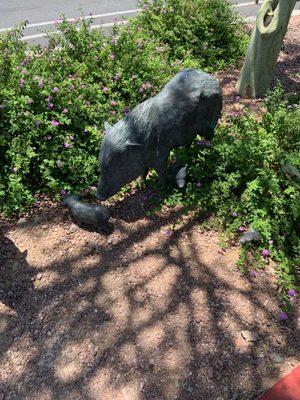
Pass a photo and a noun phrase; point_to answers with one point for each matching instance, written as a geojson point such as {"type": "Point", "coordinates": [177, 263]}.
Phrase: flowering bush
{"type": "Point", "coordinates": [205, 33]}
{"type": "Point", "coordinates": [54, 100]}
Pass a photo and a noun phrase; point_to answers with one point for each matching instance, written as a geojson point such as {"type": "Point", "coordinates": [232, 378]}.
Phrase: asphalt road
{"type": "Point", "coordinates": [42, 14]}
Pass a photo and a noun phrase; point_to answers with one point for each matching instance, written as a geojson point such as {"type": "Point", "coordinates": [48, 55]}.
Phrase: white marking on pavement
{"type": "Point", "coordinates": [250, 3]}
{"type": "Point", "coordinates": [39, 35]}
{"type": "Point", "coordinates": [95, 16]}
{"type": "Point", "coordinates": [253, 18]}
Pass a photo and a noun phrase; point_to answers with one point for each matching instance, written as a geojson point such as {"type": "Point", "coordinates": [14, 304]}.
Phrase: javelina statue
{"type": "Point", "coordinates": [93, 215]}
{"type": "Point", "coordinates": [188, 105]}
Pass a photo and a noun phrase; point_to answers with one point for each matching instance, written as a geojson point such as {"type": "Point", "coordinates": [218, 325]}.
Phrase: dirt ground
{"type": "Point", "coordinates": [154, 309]}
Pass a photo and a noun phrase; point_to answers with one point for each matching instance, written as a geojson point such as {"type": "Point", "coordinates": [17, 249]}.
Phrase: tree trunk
{"type": "Point", "coordinates": [265, 44]}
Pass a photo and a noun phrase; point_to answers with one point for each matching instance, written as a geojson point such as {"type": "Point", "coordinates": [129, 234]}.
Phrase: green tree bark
{"type": "Point", "coordinates": [265, 44]}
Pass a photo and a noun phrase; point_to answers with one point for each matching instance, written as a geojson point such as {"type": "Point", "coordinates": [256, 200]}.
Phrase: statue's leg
{"type": "Point", "coordinates": [161, 168]}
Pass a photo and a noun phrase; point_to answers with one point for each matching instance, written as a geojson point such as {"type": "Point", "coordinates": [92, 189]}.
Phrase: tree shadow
{"type": "Point", "coordinates": [151, 316]}
{"type": "Point", "coordinates": [16, 290]}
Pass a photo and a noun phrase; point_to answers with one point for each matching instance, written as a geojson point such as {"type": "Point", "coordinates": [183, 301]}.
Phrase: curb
{"type": "Point", "coordinates": [287, 388]}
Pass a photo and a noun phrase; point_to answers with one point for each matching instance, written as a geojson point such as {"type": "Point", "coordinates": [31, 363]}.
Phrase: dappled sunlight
{"type": "Point", "coordinates": [150, 338]}
{"type": "Point", "coordinates": [148, 316]}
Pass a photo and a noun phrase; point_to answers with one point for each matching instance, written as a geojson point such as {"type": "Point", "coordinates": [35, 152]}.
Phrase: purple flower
{"type": "Point", "coordinates": [113, 112]}
{"type": "Point", "coordinates": [29, 101]}
{"type": "Point", "coordinates": [292, 292]}
{"type": "Point", "coordinates": [63, 192]}
{"type": "Point", "coordinates": [49, 97]}
{"type": "Point", "coordinates": [114, 103]}
{"type": "Point", "coordinates": [67, 145]}
{"type": "Point", "coordinates": [242, 229]}
{"type": "Point", "coordinates": [93, 188]}
{"type": "Point", "coordinates": [50, 106]}
{"type": "Point", "coordinates": [54, 122]}
{"type": "Point", "coordinates": [198, 184]}
{"type": "Point", "coordinates": [55, 89]}
{"type": "Point", "coordinates": [21, 82]}
{"type": "Point", "coordinates": [148, 85]}
{"type": "Point", "coordinates": [271, 242]}
{"type": "Point", "coordinates": [40, 84]}
{"type": "Point", "coordinates": [72, 87]}
{"type": "Point", "coordinates": [205, 142]}
{"type": "Point", "coordinates": [126, 110]}
{"type": "Point", "coordinates": [37, 123]}
{"type": "Point", "coordinates": [234, 214]}
{"type": "Point", "coordinates": [283, 316]}
{"type": "Point", "coordinates": [265, 253]}
{"type": "Point", "coordinates": [15, 170]}
{"type": "Point", "coordinates": [105, 89]}
{"type": "Point", "coordinates": [253, 273]}
{"type": "Point", "coordinates": [86, 190]}
{"type": "Point", "coordinates": [168, 232]}
{"type": "Point", "coordinates": [112, 56]}
{"type": "Point", "coordinates": [65, 110]}
{"type": "Point", "coordinates": [117, 77]}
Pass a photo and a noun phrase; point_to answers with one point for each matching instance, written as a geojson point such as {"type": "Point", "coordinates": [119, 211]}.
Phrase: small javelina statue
{"type": "Point", "coordinates": [188, 105]}
{"type": "Point", "coordinates": [92, 215]}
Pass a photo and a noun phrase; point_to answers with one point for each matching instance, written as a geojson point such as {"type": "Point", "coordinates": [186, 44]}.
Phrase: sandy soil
{"type": "Point", "coordinates": [154, 309]}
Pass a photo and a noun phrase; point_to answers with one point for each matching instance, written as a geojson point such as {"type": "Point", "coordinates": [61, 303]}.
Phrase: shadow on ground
{"type": "Point", "coordinates": [152, 314]}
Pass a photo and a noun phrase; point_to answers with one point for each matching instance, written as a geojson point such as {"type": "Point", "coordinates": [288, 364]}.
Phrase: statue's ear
{"type": "Point", "coordinates": [107, 126]}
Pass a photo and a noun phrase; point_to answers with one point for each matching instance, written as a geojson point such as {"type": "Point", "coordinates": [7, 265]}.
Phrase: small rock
{"type": "Point", "coordinates": [109, 241]}
{"type": "Point", "coordinates": [21, 221]}
{"type": "Point", "coordinates": [73, 228]}
{"type": "Point", "coordinates": [279, 340]}
{"type": "Point", "coordinates": [277, 358]}
{"type": "Point", "coordinates": [94, 352]}
{"type": "Point", "coordinates": [210, 373]}
{"type": "Point", "coordinates": [261, 355]}
{"type": "Point", "coordinates": [39, 276]}
{"type": "Point", "coordinates": [249, 336]}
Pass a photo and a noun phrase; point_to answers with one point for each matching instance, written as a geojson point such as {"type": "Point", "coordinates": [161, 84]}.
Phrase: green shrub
{"type": "Point", "coordinates": [250, 175]}
{"type": "Point", "coordinates": [202, 33]}
{"type": "Point", "coordinates": [54, 100]}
